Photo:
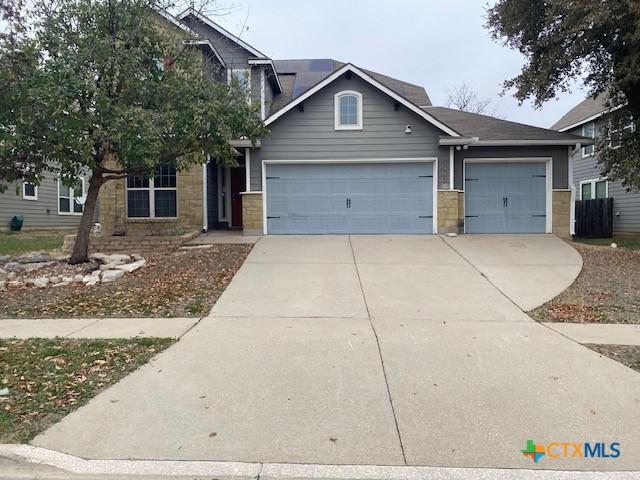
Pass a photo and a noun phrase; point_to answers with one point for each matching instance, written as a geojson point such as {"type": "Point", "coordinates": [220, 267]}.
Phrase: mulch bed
{"type": "Point", "coordinates": [174, 283]}
{"type": "Point", "coordinates": [628, 355]}
{"type": "Point", "coordinates": [49, 378]}
{"type": "Point", "coordinates": [606, 291]}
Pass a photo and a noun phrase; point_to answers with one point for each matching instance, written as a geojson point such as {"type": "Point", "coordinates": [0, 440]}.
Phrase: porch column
{"type": "Point", "coordinates": [247, 169]}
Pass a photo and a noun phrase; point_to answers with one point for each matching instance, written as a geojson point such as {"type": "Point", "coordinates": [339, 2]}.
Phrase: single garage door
{"type": "Point", "coordinates": [349, 198]}
{"type": "Point", "coordinates": [505, 197]}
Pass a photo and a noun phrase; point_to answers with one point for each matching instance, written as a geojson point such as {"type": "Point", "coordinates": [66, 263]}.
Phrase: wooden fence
{"type": "Point", "coordinates": [594, 218]}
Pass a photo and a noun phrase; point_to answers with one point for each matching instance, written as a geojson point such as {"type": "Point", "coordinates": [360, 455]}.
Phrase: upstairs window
{"type": "Point", "coordinates": [243, 78]}
{"type": "Point", "coordinates": [348, 110]}
{"type": "Point", "coordinates": [71, 199]}
{"type": "Point", "coordinates": [625, 127]}
{"type": "Point", "coordinates": [153, 197]}
{"type": "Point", "coordinates": [590, 189]}
{"type": "Point", "coordinates": [29, 191]}
{"type": "Point", "coordinates": [589, 131]}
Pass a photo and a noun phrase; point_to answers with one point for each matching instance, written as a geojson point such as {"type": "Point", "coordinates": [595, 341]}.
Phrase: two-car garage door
{"type": "Point", "coordinates": [349, 198]}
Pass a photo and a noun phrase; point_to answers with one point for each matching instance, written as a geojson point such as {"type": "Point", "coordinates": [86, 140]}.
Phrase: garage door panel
{"type": "Point", "coordinates": [505, 197]}
{"type": "Point", "coordinates": [384, 198]}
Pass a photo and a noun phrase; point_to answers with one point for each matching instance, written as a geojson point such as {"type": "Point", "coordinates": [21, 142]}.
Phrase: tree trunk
{"type": "Point", "coordinates": [81, 247]}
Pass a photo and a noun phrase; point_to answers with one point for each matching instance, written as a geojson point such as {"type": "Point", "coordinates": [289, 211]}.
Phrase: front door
{"type": "Point", "coordinates": [237, 186]}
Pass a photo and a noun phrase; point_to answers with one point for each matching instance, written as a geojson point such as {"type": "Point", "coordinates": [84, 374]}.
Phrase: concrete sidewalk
{"type": "Point", "coordinates": [602, 333]}
{"type": "Point", "coordinates": [96, 327]}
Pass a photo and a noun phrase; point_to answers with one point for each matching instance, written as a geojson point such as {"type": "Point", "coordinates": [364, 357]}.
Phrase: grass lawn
{"type": "Point", "coordinates": [179, 283]}
{"type": "Point", "coordinates": [628, 355]}
{"type": "Point", "coordinates": [631, 242]}
{"type": "Point", "coordinates": [49, 378]}
{"type": "Point", "coordinates": [14, 243]}
{"type": "Point", "coordinates": [606, 291]}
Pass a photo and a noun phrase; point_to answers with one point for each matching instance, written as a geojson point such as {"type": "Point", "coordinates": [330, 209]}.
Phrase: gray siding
{"type": "Point", "coordinates": [234, 55]}
{"type": "Point", "coordinates": [558, 154]}
{"type": "Point", "coordinates": [310, 134]}
{"type": "Point", "coordinates": [41, 213]}
{"type": "Point", "coordinates": [626, 205]}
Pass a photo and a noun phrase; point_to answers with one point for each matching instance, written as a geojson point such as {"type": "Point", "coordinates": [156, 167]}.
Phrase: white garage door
{"type": "Point", "coordinates": [349, 198]}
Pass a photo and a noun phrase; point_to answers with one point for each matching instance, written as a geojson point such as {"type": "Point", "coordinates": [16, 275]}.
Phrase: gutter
{"type": "Point", "coordinates": [476, 142]}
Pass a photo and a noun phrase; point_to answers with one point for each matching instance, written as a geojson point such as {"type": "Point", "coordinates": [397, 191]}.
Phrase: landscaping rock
{"type": "Point", "coordinates": [117, 258]}
{"type": "Point", "coordinates": [13, 267]}
{"type": "Point", "coordinates": [111, 275]}
{"type": "Point", "coordinates": [15, 284]}
{"type": "Point", "coordinates": [92, 282]}
{"type": "Point", "coordinates": [111, 266]}
{"type": "Point", "coordinates": [95, 275]}
{"type": "Point", "coordinates": [131, 267]}
{"type": "Point", "coordinates": [4, 258]}
{"type": "Point", "coordinates": [4, 392]}
{"type": "Point", "coordinates": [3, 284]}
{"type": "Point", "coordinates": [11, 276]}
{"type": "Point", "coordinates": [78, 278]}
{"type": "Point", "coordinates": [38, 282]}
{"type": "Point", "coordinates": [35, 257]}
{"type": "Point", "coordinates": [61, 284]}
{"type": "Point", "coordinates": [55, 279]}
{"type": "Point", "coordinates": [137, 257]}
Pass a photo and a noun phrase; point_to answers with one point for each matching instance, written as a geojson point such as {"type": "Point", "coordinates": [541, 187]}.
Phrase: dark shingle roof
{"type": "Point", "coordinates": [302, 74]}
{"type": "Point", "coordinates": [585, 109]}
{"type": "Point", "coordinates": [491, 128]}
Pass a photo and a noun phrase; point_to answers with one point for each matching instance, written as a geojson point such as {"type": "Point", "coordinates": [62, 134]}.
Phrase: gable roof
{"type": "Point", "coordinates": [207, 21]}
{"type": "Point", "coordinates": [486, 129]}
{"type": "Point", "coordinates": [348, 67]}
{"type": "Point", "coordinates": [302, 74]}
{"type": "Point", "coordinates": [587, 110]}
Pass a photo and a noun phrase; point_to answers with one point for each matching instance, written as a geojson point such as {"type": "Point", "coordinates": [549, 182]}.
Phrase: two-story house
{"type": "Point", "coordinates": [589, 119]}
{"type": "Point", "coordinates": [352, 151]}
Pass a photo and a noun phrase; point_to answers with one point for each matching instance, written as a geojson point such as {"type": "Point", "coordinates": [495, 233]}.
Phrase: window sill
{"type": "Point", "coordinates": [70, 214]}
{"type": "Point", "coordinates": [31, 199]}
{"type": "Point", "coordinates": [348, 128]}
{"type": "Point", "coordinates": [151, 219]}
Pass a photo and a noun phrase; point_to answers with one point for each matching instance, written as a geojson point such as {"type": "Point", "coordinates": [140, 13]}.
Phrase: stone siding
{"type": "Point", "coordinates": [113, 208]}
{"type": "Point", "coordinates": [130, 244]}
{"type": "Point", "coordinates": [450, 211]}
{"type": "Point", "coordinates": [252, 213]}
{"type": "Point", "coordinates": [561, 206]}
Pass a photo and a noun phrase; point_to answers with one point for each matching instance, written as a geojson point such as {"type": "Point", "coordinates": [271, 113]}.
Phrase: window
{"type": "Point", "coordinates": [29, 191]}
{"type": "Point", "coordinates": [243, 78]}
{"type": "Point", "coordinates": [153, 197]}
{"type": "Point", "coordinates": [71, 199]}
{"type": "Point", "coordinates": [590, 189]}
{"type": "Point", "coordinates": [589, 131]}
{"type": "Point", "coordinates": [624, 127]}
{"type": "Point", "coordinates": [348, 110]}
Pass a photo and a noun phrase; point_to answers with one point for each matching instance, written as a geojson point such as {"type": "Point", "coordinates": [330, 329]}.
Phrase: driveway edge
{"type": "Point", "coordinates": [282, 471]}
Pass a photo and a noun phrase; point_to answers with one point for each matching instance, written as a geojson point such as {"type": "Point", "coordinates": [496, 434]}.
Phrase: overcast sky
{"type": "Point", "coordinates": [434, 43]}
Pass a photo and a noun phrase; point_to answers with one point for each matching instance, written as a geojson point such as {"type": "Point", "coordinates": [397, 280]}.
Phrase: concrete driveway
{"type": "Point", "coordinates": [385, 350]}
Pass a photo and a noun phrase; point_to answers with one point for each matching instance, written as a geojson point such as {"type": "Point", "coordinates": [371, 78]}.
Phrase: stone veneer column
{"type": "Point", "coordinates": [561, 205]}
{"type": "Point", "coordinates": [252, 213]}
{"type": "Point", "coordinates": [450, 211]}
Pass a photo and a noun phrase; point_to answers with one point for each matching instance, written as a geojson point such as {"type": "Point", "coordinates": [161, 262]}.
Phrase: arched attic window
{"type": "Point", "coordinates": [348, 110]}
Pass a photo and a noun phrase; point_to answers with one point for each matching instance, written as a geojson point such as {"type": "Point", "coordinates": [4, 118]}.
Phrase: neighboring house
{"type": "Point", "coordinates": [48, 205]}
{"type": "Point", "coordinates": [353, 151]}
{"type": "Point", "coordinates": [588, 119]}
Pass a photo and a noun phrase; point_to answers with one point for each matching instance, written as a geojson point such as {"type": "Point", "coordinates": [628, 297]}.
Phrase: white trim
{"type": "Point", "coordinates": [451, 167]}
{"type": "Point", "coordinates": [367, 78]}
{"type": "Point", "coordinates": [498, 143]}
{"type": "Point", "coordinates": [210, 45]}
{"type": "Point", "coordinates": [174, 21]}
{"type": "Point", "coordinates": [593, 182]}
{"type": "Point", "coordinates": [458, 141]}
{"type": "Point", "coordinates": [434, 160]}
{"type": "Point", "coordinates": [590, 119]}
{"type": "Point", "coordinates": [247, 170]}
{"type": "Point", "coordinates": [593, 152]}
{"type": "Point", "coordinates": [267, 61]}
{"type": "Point", "coordinates": [263, 107]}
{"type": "Point", "coordinates": [152, 200]}
{"type": "Point", "coordinates": [336, 110]}
{"type": "Point", "coordinates": [72, 198]}
{"type": "Point", "coordinates": [219, 29]}
{"type": "Point", "coordinates": [205, 192]}
{"type": "Point", "coordinates": [243, 143]}
{"type": "Point", "coordinates": [548, 178]}
{"type": "Point", "coordinates": [35, 192]}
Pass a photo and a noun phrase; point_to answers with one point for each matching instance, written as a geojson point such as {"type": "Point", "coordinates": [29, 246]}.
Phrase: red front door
{"type": "Point", "coordinates": [237, 186]}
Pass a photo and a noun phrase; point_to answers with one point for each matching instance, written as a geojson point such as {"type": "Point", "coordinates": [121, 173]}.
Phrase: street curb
{"type": "Point", "coordinates": [285, 471]}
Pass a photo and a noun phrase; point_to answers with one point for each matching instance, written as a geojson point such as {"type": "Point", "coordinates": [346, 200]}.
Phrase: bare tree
{"type": "Point", "coordinates": [464, 98]}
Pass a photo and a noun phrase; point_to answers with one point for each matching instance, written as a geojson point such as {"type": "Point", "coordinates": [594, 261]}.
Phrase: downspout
{"type": "Point", "coordinates": [205, 197]}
